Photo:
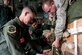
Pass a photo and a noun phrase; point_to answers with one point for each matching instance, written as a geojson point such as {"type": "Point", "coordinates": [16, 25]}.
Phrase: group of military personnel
{"type": "Point", "coordinates": [24, 35]}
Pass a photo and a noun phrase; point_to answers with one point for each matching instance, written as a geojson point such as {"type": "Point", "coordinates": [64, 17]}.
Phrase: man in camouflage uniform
{"type": "Point", "coordinates": [38, 39]}
{"type": "Point", "coordinates": [48, 30]}
{"type": "Point", "coordinates": [57, 8]}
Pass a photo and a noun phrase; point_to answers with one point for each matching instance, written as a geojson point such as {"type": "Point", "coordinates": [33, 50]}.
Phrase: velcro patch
{"type": "Point", "coordinates": [11, 29]}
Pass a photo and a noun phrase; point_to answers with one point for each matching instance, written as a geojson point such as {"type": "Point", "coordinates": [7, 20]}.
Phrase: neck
{"type": "Point", "coordinates": [21, 20]}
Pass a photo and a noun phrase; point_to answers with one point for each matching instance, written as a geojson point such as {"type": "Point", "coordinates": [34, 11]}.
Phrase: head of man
{"type": "Point", "coordinates": [27, 15]}
{"type": "Point", "coordinates": [6, 2]}
{"type": "Point", "coordinates": [48, 6]}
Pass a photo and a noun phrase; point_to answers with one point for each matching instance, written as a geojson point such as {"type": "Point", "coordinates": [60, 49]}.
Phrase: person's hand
{"type": "Point", "coordinates": [56, 43]}
{"type": "Point", "coordinates": [51, 17]}
{"type": "Point", "coordinates": [47, 52]}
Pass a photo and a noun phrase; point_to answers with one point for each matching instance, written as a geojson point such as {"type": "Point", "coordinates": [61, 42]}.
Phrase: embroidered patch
{"type": "Point", "coordinates": [11, 29]}
{"type": "Point", "coordinates": [22, 40]}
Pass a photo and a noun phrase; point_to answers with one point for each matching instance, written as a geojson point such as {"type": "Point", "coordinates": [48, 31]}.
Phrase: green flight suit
{"type": "Point", "coordinates": [18, 40]}
{"type": "Point", "coordinates": [3, 45]}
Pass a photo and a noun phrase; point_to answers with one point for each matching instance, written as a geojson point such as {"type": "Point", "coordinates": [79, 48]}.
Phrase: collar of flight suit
{"type": "Point", "coordinates": [20, 23]}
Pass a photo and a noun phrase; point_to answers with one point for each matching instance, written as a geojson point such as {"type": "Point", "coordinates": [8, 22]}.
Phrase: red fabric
{"type": "Point", "coordinates": [22, 40]}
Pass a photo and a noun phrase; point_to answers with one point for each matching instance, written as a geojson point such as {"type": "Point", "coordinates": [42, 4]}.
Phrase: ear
{"type": "Point", "coordinates": [52, 3]}
{"type": "Point", "coordinates": [26, 13]}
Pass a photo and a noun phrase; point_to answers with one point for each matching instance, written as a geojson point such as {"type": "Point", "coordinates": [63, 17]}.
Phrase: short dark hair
{"type": "Point", "coordinates": [32, 9]}
{"type": "Point", "coordinates": [47, 1]}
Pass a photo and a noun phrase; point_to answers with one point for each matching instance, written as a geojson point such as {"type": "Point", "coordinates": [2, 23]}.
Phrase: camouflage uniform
{"type": "Point", "coordinates": [38, 39]}
{"type": "Point", "coordinates": [72, 13]}
{"type": "Point", "coordinates": [61, 6]}
{"type": "Point", "coordinates": [47, 26]}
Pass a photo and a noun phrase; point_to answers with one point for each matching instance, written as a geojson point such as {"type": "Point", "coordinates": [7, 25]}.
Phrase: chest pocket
{"type": "Point", "coordinates": [25, 33]}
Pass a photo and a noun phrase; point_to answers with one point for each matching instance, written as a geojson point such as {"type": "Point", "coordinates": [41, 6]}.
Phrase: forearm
{"type": "Point", "coordinates": [61, 17]}
{"type": "Point", "coordinates": [60, 24]}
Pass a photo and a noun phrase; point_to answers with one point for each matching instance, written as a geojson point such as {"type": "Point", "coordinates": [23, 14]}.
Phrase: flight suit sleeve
{"type": "Point", "coordinates": [61, 6]}
{"type": "Point", "coordinates": [10, 34]}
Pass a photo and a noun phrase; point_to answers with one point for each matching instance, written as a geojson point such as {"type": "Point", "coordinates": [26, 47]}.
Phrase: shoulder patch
{"type": "Point", "coordinates": [11, 29]}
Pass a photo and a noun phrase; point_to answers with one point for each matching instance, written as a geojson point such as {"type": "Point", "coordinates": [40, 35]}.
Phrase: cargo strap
{"type": "Point", "coordinates": [75, 31]}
